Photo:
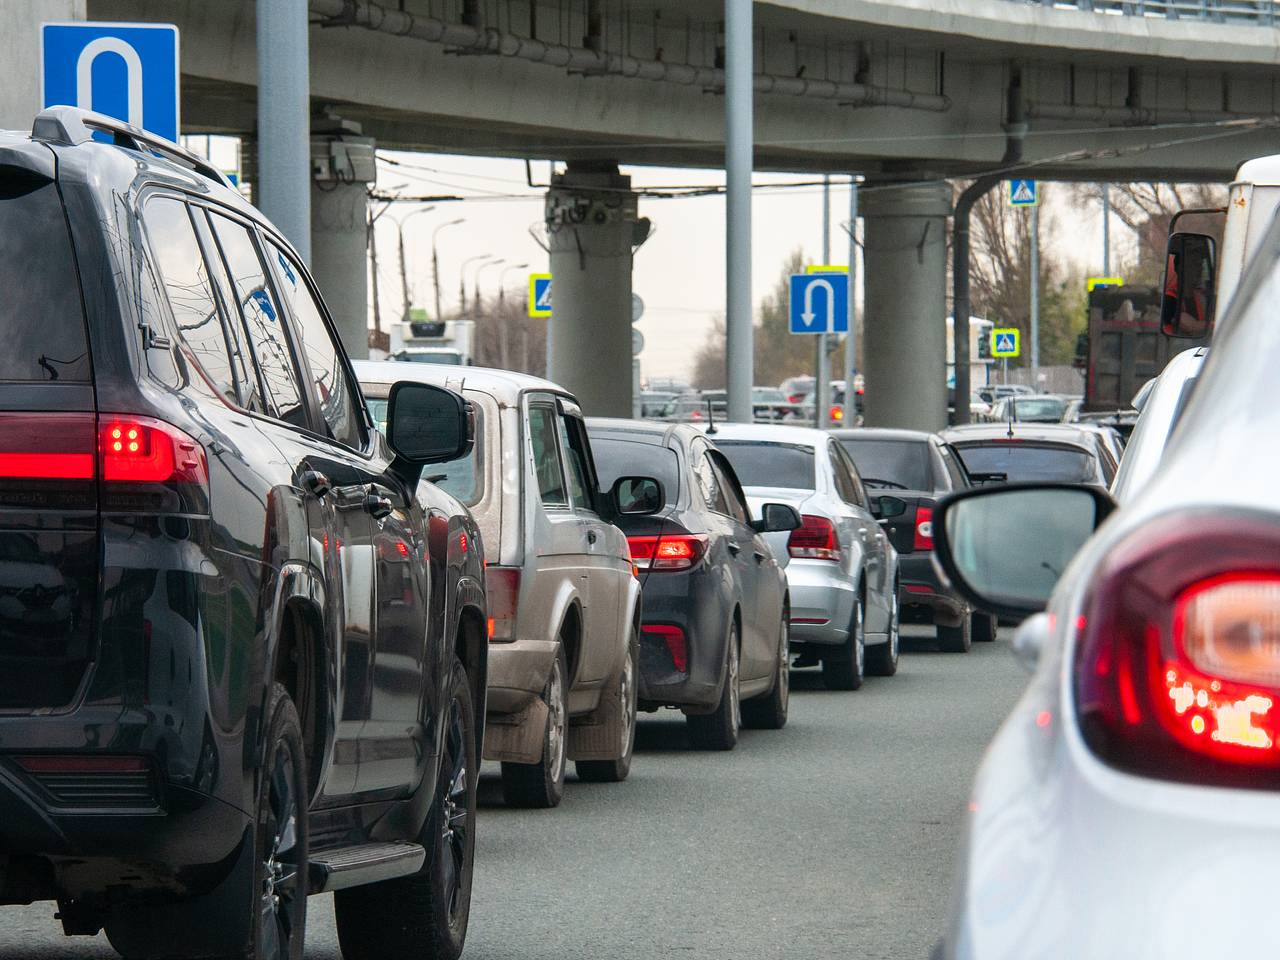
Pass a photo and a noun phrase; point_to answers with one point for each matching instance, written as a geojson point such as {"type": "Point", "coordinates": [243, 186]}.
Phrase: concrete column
{"type": "Point", "coordinates": [342, 164]}
{"type": "Point", "coordinates": [593, 228]}
{"type": "Point", "coordinates": [905, 309]}
{"type": "Point", "coordinates": [284, 109]}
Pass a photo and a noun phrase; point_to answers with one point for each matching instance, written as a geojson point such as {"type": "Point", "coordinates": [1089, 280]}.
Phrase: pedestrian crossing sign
{"type": "Point", "coordinates": [539, 294]}
{"type": "Point", "coordinates": [1005, 342]}
{"type": "Point", "coordinates": [1023, 193]}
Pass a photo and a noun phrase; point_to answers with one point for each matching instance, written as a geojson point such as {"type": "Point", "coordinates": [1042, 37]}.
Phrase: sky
{"type": "Point", "coordinates": [679, 273]}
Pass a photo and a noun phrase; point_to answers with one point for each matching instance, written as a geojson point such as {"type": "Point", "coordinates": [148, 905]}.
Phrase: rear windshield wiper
{"type": "Point", "coordinates": [877, 482]}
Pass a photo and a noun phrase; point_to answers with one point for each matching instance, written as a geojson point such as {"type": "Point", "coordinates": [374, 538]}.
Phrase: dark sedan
{"type": "Point", "coordinates": [714, 638]}
{"type": "Point", "coordinates": [1025, 452]}
{"type": "Point", "coordinates": [919, 468]}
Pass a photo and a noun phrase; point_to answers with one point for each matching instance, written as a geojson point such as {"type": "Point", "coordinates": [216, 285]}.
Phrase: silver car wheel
{"type": "Point", "coordinates": [556, 720]}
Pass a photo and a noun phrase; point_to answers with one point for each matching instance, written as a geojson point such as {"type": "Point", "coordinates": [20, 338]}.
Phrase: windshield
{"type": "Point", "coordinates": [1020, 461]}
{"type": "Point", "coordinates": [770, 464]}
{"type": "Point", "coordinates": [637, 457]}
{"type": "Point", "coordinates": [903, 464]}
{"type": "Point", "coordinates": [459, 478]}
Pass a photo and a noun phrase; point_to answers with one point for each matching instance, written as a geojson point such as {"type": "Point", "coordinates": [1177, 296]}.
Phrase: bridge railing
{"type": "Point", "coordinates": [1261, 13]}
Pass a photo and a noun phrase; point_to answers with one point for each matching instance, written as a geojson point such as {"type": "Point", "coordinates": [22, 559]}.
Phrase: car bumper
{"type": "Point", "coordinates": [699, 604]}
{"type": "Point", "coordinates": [922, 597]}
{"type": "Point", "coordinates": [518, 673]}
{"type": "Point", "coordinates": [822, 602]}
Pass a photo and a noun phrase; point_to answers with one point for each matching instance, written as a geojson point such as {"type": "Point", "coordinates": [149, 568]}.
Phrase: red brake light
{"type": "Point", "coordinates": [502, 587]}
{"type": "Point", "coordinates": [667, 552]}
{"type": "Point", "coordinates": [837, 414]}
{"type": "Point", "coordinates": [1177, 673]}
{"type": "Point", "coordinates": [814, 539]}
{"type": "Point", "coordinates": [674, 639]}
{"type": "Point", "coordinates": [924, 529]}
{"type": "Point", "coordinates": [142, 450]}
{"type": "Point", "coordinates": [47, 446]}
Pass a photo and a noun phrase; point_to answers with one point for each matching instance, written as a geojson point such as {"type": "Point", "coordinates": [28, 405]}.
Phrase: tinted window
{"type": "Point", "coordinates": [708, 482]}
{"type": "Point", "coordinates": [737, 506]}
{"type": "Point", "coordinates": [770, 464]}
{"type": "Point", "coordinates": [859, 492]}
{"type": "Point", "coordinates": [546, 456]}
{"type": "Point", "coordinates": [637, 458]}
{"type": "Point", "coordinates": [576, 463]}
{"type": "Point", "coordinates": [892, 464]}
{"type": "Point", "coordinates": [263, 322]}
{"type": "Point", "coordinates": [1020, 461]}
{"type": "Point", "coordinates": [955, 472]}
{"type": "Point", "coordinates": [190, 294]}
{"type": "Point", "coordinates": [461, 478]}
{"type": "Point", "coordinates": [333, 388]}
{"type": "Point", "coordinates": [40, 311]}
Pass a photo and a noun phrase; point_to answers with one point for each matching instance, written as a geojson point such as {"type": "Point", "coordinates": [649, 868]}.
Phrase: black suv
{"type": "Point", "coordinates": [242, 647]}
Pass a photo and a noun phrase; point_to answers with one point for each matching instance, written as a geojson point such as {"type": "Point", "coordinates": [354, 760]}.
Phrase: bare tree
{"type": "Point", "coordinates": [507, 337]}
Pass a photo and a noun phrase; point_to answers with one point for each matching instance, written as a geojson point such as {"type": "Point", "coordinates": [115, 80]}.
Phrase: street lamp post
{"type": "Point", "coordinates": [503, 342]}
{"type": "Point", "coordinates": [404, 269]}
{"type": "Point", "coordinates": [462, 279]}
{"type": "Point", "coordinates": [475, 300]}
{"type": "Point", "coordinates": [435, 262]}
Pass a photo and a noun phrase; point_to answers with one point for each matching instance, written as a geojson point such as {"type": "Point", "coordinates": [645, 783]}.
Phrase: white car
{"type": "Point", "coordinates": [843, 571]}
{"type": "Point", "coordinates": [1130, 804]}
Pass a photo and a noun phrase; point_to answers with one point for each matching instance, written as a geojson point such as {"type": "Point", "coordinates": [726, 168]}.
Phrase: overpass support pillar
{"type": "Point", "coordinates": [342, 167]}
{"type": "Point", "coordinates": [905, 308]}
{"type": "Point", "coordinates": [593, 228]}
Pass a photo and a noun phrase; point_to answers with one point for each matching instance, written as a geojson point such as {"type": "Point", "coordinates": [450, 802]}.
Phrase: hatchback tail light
{"type": "Point", "coordinates": [814, 539]}
{"type": "Point", "coordinates": [673, 638]}
{"type": "Point", "coordinates": [1177, 671]}
{"type": "Point", "coordinates": [924, 529]}
{"type": "Point", "coordinates": [667, 552]}
{"type": "Point", "coordinates": [502, 586]}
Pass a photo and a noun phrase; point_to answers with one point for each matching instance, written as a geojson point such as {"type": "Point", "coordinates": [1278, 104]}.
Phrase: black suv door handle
{"type": "Point", "coordinates": [317, 483]}
{"type": "Point", "coordinates": [377, 506]}
{"type": "Point", "coordinates": [734, 548]}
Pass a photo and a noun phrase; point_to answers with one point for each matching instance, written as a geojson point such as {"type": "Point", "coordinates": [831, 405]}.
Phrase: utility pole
{"type": "Point", "coordinates": [739, 95]}
{"type": "Point", "coordinates": [821, 366]}
{"type": "Point", "coordinates": [404, 281]}
{"type": "Point", "coordinates": [373, 267]}
{"type": "Point", "coordinates": [1106, 229]}
{"type": "Point", "coordinates": [851, 338]}
{"type": "Point", "coordinates": [435, 262]}
{"type": "Point", "coordinates": [1035, 300]}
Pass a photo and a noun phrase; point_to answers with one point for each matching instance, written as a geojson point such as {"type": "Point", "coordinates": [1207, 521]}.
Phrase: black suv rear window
{"type": "Point", "coordinates": [617, 457]}
{"type": "Point", "coordinates": [40, 310]}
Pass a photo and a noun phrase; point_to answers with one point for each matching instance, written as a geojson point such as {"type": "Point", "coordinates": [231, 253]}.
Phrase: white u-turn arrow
{"type": "Point", "coordinates": [808, 314]}
{"type": "Point", "coordinates": [133, 74]}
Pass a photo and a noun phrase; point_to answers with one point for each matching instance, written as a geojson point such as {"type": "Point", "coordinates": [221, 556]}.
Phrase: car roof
{"type": "Point", "coordinates": [505, 384]}
{"type": "Point", "coordinates": [770, 433]}
{"type": "Point", "coordinates": [880, 433]}
{"type": "Point", "coordinates": [1047, 432]}
{"type": "Point", "coordinates": [658, 431]}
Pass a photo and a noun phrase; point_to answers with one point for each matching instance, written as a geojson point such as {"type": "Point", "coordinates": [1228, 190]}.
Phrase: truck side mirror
{"type": "Point", "coordinates": [1187, 308]}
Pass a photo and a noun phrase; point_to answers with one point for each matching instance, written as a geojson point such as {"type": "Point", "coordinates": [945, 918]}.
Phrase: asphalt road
{"type": "Point", "coordinates": [835, 837]}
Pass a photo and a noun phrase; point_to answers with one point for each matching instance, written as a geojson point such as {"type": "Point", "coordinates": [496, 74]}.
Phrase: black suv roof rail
{"type": "Point", "coordinates": [71, 126]}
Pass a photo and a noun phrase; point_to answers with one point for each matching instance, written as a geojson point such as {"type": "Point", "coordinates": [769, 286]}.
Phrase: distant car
{"type": "Point", "coordinates": [1015, 452]}
{"type": "Point", "coordinates": [797, 388]}
{"type": "Point", "coordinates": [997, 391]}
{"type": "Point", "coordinates": [843, 571]}
{"type": "Point", "coordinates": [1161, 408]}
{"type": "Point", "coordinates": [771, 404]}
{"type": "Point", "coordinates": [1020, 408]}
{"type": "Point", "coordinates": [658, 405]}
{"type": "Point", "coordinates": [714, 635]}
{"type": "Point", "coordinates": [920, 469]}
{"type": "Point", "coordinates": [564, 605]}
{"type": "Point", "coordinates": [443, 355]}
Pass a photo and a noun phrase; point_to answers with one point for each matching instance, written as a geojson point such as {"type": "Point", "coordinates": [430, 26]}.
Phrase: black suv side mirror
{"type": "Point", "coordinates": [776, 518]}
{"type": "Point", "coordinates": [427, 424]}
{"type": "Point", "coordinates": [1187, 308]}
{"type": "Point", "coordinates": [636, 496]}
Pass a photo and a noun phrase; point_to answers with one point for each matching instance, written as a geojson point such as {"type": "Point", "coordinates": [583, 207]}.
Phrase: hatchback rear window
{"type": "Point", "coordinates": [770, 464]}
{"type": "Point", "coordinates": [616, 458]}
{"type": "Point", "coordinates": [892, 464]}
{"type": "Point", "coordinates": [1019, 461]}
{"type": "Point", "coordinates": [40, 310]}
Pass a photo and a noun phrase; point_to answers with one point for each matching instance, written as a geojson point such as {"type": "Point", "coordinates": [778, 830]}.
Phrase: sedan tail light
{"type": "Point", "coordinates": [814, 539]}
{"type": "Point", "coordinates": [924, 529]}
{"type": "Point", "coordinates": [502, 586]}
{"type": "Point", "coordinates": [667, 552]}
{"type": "Point", "coordinates": [1177, 672]}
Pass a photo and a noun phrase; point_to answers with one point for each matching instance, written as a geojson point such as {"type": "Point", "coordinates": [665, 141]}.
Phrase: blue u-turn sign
{"type": "Point", "coordinates": [126, 70]}
{"type": "Point", "coordinates": [820, 303]}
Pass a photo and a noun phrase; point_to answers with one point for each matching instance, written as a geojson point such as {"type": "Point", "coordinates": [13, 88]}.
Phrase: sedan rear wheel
{"type": "Point", "coordinates": [770, 711]}
{"type": "Point", "coordinates": [843, 670]}
{"type": "Point", "coordinates": [882, 659]}
{"type": "Point", "coordinates": [718, 730]}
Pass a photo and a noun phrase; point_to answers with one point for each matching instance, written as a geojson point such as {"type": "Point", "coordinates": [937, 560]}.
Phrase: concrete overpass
{"type": "Point", "coordinates": [905, 92]}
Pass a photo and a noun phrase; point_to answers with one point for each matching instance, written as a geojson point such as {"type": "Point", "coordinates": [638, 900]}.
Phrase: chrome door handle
{"type": "Point", "coordinates": [317, 483]}
{"type": "Point", "coordinates": [734, 548]}
{"type": "Point", "coordinates": [591, 536]}
{"type": "Point", "coordinates": [377, 506]}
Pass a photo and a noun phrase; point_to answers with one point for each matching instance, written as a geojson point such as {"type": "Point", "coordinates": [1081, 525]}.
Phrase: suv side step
{"type": "Point", "coordinates": [363, 863]}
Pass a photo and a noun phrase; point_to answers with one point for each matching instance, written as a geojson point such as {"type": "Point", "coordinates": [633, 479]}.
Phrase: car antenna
{"type": "Point", "coordinates": [1010, 404]}
{"type": "Point", "coordinates": [711, 417]}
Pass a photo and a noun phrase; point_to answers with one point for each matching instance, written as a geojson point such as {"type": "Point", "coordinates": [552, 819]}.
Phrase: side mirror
{"type": "Point", "coordinates": [636, 496]}
{"type": "Point", "coordinates": [887, 507]}
{"type": "Point", "coordinates": [1004, 548]}
{"type": "Point", "coordinates": [1187, 308]}
{"type": "Point", "coordinates": [776, 518]}
{"type": "Point", "coordinates": [428, 424]}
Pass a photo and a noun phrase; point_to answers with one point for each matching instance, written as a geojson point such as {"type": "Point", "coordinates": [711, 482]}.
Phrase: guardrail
{"type": "Point", "coordinates": [1262, 13]}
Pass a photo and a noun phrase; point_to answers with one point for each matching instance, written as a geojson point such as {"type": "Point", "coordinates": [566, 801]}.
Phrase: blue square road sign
{"type": "Point", "coordinates": [1024, 193]}
{"type": "Point", "coordinates": [126, 70]}
{"type": "Point", "coordinates": [819, 303]}
{"type": "Point", "coordinates": [539, 294]}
